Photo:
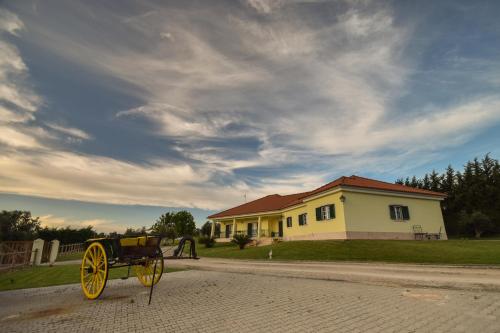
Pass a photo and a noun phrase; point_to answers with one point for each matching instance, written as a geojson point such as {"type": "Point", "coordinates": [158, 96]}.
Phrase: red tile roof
{"type": "Point", "coordinates": [276, 202]}
{"type": "Point", "coordinates": [361, 182]}
{"type": "Point", "coordinates": [269, 203]}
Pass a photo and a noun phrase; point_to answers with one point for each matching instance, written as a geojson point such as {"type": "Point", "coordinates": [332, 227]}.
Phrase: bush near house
{"type": "Point", "coordinates": [241, 240]}
{"type": "Point", "coordinates": [206, 240]}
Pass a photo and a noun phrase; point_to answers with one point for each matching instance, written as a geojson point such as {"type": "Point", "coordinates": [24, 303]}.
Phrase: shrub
{"type": "Point", "coordinates": [241, 240]}
{"type": "Point", "coordinates": [206, 240]}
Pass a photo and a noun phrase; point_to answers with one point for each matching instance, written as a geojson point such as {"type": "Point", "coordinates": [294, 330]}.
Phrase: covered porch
{"type": "Point", "coordinates": [258, 227]}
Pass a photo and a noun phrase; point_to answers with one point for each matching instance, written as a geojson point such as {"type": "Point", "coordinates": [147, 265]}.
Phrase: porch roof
{"type": "Point", "coordinates": [268, 203]}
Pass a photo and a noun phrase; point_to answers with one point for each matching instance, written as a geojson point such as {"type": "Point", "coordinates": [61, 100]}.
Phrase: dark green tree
{"type": "Point", "coordinates": [67, 235]}
{"type": "Point", "coordinates": [131, 232]}
{"type": "Point", "coordinates": [206, 229]}
{"type": "Point", "coordinates": [165, 226]}
{"type": "Point", "coordinates": [18, 225]}
{"type": "Point", "coordinates": [478, 222]}
{"type": "Point", "coordinates": [472, 205]}
{"type": "Point", "coordinates": [425, 183]}
{"type": "Point", "coordinates": [184, 223]}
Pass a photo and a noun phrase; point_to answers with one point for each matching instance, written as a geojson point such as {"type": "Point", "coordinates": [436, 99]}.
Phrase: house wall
{"type": "Point", "coordinates": [330, 229]}
{"type": "Point", "coordinates": [361, 216]}
{"type": "Point", "coordinates": [367, 216]}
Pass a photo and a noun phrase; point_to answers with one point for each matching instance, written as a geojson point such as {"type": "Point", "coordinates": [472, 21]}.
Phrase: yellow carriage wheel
{"type": "Point", "coordinates": [144, 271]}
{"type": "Point", "coordinates": [94, 270]}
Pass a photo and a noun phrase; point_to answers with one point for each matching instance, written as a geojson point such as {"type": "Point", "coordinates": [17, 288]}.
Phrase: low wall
{"type": "Point", "coordinates": [357, 235]}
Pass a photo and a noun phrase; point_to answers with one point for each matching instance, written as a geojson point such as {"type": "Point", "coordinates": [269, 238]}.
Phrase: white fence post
{"type": "Point", "coordinates": [36, 252]}
{"type": "Point", "coordinates": [54, 250]}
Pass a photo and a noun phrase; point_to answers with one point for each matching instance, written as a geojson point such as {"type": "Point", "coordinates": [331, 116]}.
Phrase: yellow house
{"type": "Point", "coordinates": [346, 208]}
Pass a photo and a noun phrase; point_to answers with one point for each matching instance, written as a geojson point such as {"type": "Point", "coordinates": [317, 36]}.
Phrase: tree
{"type": "Point", "coordinates": [414, 182]}
{"type": "Point", "coordinates": [131, 232]}
{"type": "Point", "coordinates": [477, 221]}
{"type": "Point", "coordinates": [206, 229]}
{"type": "Point", "coordinates": [184, 223]}
{"type": "Point", "coordinates": [67, 235]}
{"type": "Point", "coordinates": [113, 234]}
{"type": "Point", "coordinates": [165, 226]}
{"type": "Point", "coordinates": [434, 181]}
{"type": "Point", "coordinates": [18, 225]}
{"type": "Point", "coordinates": [407, 181]}
{"type": "Point", "coordinates": [426, 183]}
{"type": "Point", "coordinates": [474, 189]}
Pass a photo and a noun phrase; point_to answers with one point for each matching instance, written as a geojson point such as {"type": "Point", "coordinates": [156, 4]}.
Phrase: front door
{"type": "Point", "coordinates": [250, 229]}
{"type": "Point", "coordinates": [280, 228]}
{"type": "Point", "coordinates": [228, 230]}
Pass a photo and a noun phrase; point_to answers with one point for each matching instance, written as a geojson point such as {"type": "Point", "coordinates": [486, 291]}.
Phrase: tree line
{"type": "Point", "coordinates": [21, 225]}
{"type": "Point", "coordinates": [472, 205]}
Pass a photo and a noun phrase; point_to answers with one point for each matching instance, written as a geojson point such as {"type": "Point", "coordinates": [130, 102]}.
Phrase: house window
{"type": "Point", "coordinates": [303, 219]}
{"type": "Point", "coordinates": [325, 213]}
{"type": "Point", "coordinates": [289, 222]}
{"type": "Point", "coordinates": [399, 213]}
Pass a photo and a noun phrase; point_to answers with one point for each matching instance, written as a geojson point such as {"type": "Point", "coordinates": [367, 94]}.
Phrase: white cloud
{"type": "Point", "coordinates": [74, 132]}
{"type": "Point", "coordinates": [99, 225]}
{"type": "Point", "coordinates": [265, 6]}
{"type": "Point", "coordinates": [9, 22]}
{"type": "Point", "coordinates": [9, 116]}
{"type": "Point", "coordinates": [17, 139]}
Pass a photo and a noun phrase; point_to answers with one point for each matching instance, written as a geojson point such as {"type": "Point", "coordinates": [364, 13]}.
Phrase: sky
{"type": "Point", "coordinates": [112, 113]}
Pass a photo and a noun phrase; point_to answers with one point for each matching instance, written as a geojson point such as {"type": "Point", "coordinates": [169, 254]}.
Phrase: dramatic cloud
{"type": "Point", "coordinates": [17, 101]}
{"type": "Point", "coordinates": [202, 105]}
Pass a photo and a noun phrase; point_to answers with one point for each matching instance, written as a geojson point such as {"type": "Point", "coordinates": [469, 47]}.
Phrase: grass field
{"type": "Point", "coordinates": [71, 256]}
{"type": "Point", "coordinates": [43, 276]}
{"type": "Point", "coordinates": [436, 252]}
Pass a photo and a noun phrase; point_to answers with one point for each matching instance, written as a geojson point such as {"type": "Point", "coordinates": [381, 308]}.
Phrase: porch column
{"type": "Point", "coordinates": [258, 228]}
{"type": "Point", "coordinates": [234, 227]}
{"type": "Point", "coordinates": [212, 232]}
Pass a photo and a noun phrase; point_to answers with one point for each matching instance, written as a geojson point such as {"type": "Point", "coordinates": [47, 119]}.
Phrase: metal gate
{"type": "Point", "coordinates": [46, 251]}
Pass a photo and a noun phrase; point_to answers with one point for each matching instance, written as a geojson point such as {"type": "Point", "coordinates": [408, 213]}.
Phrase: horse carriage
{"type": "Point", "coordinates": [142, 253]}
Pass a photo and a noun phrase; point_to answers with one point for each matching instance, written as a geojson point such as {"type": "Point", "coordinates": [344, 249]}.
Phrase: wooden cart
{"type": "Point", "coordinates": [102, 254]}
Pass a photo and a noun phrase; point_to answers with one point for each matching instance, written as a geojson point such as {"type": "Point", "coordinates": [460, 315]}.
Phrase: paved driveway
{"type": "Point", "coordinates": [207, 301]}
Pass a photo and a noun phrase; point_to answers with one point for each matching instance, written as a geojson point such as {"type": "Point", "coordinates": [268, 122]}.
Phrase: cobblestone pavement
{"type": "Point", "coordinates": [207, 301]}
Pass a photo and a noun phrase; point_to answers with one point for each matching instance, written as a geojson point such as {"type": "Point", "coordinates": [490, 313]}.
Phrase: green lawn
{"type": "Point", "coordinates": [71, 256]}
{"type": "Point", "coordinates": [442, 252]}
{"type": "Point", "coordinates": [43, 276]}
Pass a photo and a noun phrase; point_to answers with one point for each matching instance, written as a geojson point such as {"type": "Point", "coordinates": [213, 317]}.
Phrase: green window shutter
{"type": "Point", "coordinates": [301, 222]}
{"type": "Point", "coordinates": [318, 214]}
{"type": "Point", "coordinates": [332, 211]}
{"type": "Point", "coordinates": [406, 213]}
{"type": "Point", "coordinates": [392, 213]}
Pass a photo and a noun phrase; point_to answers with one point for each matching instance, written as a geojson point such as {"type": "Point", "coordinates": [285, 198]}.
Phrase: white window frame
{"type": "Point", "coordinates": [398, 213]}
{"type": "Point", "coordinates": [304, 219]}
{"type": "Point", "coordinates": [291, 222]}
{"type": "Point", "coordinates": [325, 213]}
